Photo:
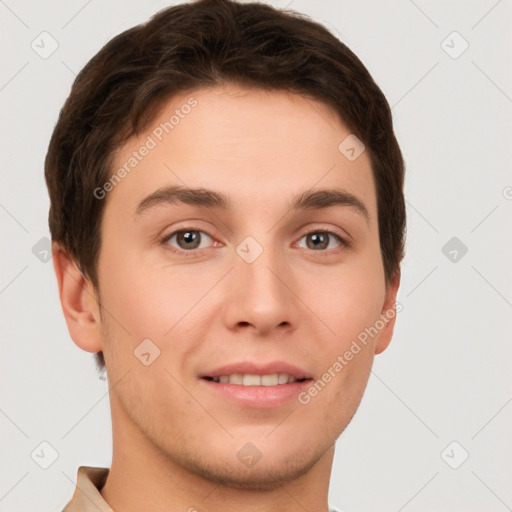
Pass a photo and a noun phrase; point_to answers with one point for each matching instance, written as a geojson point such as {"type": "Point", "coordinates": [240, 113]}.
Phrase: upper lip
{"type": "Point", "coordinates": [252, 368]}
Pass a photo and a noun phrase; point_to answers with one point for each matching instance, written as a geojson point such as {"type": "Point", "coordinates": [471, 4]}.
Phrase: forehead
{"type": "Point", "coordinates": [252, 143]}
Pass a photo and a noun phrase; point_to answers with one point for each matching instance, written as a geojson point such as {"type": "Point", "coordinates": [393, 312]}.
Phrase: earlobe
{"type": "Point", "coordinates": [388, 314]}
{"type": "Point", "coordinates": [78, 300]}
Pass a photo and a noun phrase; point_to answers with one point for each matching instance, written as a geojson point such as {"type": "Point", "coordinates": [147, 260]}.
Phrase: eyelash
{"type": "Point", "coordinates": [344, 244]}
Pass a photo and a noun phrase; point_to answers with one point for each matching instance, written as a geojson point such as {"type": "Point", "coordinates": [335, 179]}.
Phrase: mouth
{"type": "Point", "coordinates": [240, 379]}
{"type": "Point", "coordinates": [256, 386]}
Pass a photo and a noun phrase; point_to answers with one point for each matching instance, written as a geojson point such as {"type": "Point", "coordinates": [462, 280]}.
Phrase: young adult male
{"type": "Point", "coordinates": [228, 222]}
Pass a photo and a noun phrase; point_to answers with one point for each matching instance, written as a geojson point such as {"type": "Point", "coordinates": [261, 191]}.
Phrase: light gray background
{"type": "Point", "coordinates": [446, 375]}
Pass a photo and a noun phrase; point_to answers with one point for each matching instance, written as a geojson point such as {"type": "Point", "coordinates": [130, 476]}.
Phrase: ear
{"type": "Point", "coordinates": [79, 302]}
{"type": "Point", "coordinates": [388, 314]}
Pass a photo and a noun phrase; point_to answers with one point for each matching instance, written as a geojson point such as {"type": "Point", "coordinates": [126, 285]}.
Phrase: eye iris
{"type": "Point", "coordinates": [322, 238]}
{"type": "Point", "coordinates": [190, 237]}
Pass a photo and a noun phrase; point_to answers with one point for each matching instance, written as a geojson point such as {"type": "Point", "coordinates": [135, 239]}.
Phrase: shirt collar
{"type": "Point", "coordinates": [87, 497]}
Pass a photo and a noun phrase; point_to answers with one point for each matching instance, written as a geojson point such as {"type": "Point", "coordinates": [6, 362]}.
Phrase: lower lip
{"type": "Point", "coordinates": [257, 397]}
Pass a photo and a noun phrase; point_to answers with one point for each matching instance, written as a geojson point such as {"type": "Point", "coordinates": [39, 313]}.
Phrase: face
{"type": "Point", "coordinates": [239, 281]}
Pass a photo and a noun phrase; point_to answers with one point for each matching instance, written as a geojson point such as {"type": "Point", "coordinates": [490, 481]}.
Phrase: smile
{"type": "Point", "coordinates": [248, 379]}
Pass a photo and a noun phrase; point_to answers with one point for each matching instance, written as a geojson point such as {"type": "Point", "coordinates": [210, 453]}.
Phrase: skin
{"type": "Point", "coordinates": [175, 444]}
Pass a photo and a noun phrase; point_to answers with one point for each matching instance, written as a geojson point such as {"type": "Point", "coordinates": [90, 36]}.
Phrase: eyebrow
{"type": "Point", "coordinates": [309, 200]}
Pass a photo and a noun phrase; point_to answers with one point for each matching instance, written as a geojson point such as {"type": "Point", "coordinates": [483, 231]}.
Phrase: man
{"type": "Point", "coordinates": [260, 140]}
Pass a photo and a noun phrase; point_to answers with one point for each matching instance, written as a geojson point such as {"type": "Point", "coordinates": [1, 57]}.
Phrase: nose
{"type": "Point", "coordinates": [261, 294]}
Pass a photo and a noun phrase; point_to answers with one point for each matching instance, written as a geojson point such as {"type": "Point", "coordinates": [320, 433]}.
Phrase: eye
{"type": "Point", "coordinates": [191, 240]}
{"type": "Point", "coordinates": [320, 240]}
{"type": "Point", "coordinates": [187, 240]}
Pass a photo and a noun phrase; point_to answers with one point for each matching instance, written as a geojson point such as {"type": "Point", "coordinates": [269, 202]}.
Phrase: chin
{"type": "Point", "coordinates": [265, 474]}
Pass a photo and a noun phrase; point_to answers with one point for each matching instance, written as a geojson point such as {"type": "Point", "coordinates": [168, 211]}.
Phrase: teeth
{"type": "Point", "coordinates": [236, 378]}
{"type": "Point", "coordinates": [251, 380]}
{"type": "Point", "coordinates": [256, 380]}
{"type": "Point", "coordinates": [270, 380]}
{"type": "Point", "coordinates": [283, 378]}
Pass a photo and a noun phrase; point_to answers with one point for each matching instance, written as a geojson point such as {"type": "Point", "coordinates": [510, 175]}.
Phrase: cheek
{"type": "Point", "coordinates": [347, 301]}
{"type": "Point", "coordinates": [162, 304]}
{"type": "Point", "coordinates": [144, 300]}
{"type": "Point", "coordinates": [350, 304]}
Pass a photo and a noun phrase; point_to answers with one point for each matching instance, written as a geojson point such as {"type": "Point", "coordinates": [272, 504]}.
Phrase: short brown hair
{"type": "Point", "coordinates": [203, 44]}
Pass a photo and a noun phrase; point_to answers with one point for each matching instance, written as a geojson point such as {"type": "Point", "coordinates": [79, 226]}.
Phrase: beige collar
{"type": "Point", "coordinates": [87, 497]}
